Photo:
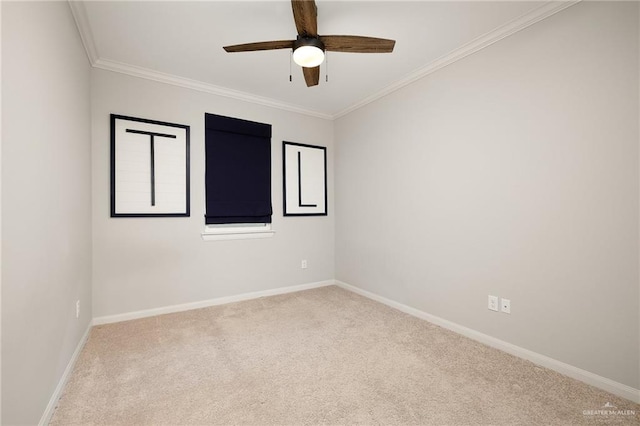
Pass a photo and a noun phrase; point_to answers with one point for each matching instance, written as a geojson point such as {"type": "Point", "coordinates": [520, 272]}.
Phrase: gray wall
{"type": "Point", "coordinates": [513, 172]}
{"type": "Point", "coordinates": [46, 202]}
{"type": "Point", "coordinates": [149, 263]}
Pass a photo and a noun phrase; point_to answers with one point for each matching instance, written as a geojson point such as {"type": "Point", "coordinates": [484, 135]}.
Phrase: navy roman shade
{"type": "Point", "coordinates": [238, 170]}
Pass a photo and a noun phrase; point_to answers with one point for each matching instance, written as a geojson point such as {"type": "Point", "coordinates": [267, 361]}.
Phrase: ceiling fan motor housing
{"type": "Point", "coordinates": [308, 51]}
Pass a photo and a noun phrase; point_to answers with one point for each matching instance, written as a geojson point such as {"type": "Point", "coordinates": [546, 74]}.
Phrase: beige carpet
{"type": "Point", "coordinates": [323, 356]}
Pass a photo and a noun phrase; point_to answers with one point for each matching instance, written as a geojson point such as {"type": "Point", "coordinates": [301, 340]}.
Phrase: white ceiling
{"type": "Point", "coordinates": [181, 42]}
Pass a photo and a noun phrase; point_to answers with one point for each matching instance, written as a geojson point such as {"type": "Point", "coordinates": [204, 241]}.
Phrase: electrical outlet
{"type": "Point", "coordinates": [304, 264]}
{"type": "Point", "coordinates": [77, 308]}
{"type": "Point", "coordinates": [493, 303]}
{"type": "Point", "coordinates": [505, 306]}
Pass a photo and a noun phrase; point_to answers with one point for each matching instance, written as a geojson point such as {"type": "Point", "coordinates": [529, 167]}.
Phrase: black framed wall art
{"type": "Point", "coordinates": [149, 168]}
{"type": "Point", "coordinates": [304, 179]}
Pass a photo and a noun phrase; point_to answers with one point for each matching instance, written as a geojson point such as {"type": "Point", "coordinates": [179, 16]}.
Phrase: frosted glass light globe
{"type": "Point", "coordinates": [308, 56]}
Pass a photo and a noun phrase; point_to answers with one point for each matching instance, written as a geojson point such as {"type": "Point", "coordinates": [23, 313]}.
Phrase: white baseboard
{"type": "Point", "coordinates": [206, 303]}
{"type": "Point", "coordinates": [587, 377]}
{"type": "Point", "coordinates": [48, 412]}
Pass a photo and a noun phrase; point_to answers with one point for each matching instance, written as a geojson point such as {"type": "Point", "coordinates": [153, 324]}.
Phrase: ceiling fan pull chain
{"type": "Point", "coordinates": [290, 56]}
{"type": "Point", "coordinates": [326, 67]}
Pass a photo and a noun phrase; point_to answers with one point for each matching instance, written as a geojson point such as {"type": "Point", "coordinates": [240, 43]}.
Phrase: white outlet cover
{"type": "Point", "coordinates": [493, 303]}
{"type": "Point", "coordinates": [506, 306]}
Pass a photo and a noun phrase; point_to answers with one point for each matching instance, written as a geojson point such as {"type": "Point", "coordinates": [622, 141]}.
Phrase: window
{"type": "Point", "coordinates": [237, 178]}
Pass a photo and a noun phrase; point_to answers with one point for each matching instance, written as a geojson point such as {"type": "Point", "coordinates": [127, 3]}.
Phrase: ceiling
{"type": "Point", "coordinates": [181, 43]}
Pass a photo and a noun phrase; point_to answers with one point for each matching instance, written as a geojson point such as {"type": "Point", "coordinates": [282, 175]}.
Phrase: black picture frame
{"type": "Point", "coordinates": [115, 211]}
{"type": "Point", "coordinates": [294, 203]}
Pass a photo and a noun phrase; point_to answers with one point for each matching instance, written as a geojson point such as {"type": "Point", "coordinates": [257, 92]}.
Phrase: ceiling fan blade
{"type": "Point", "coordinates": [311, 75]}
{"type": "Point", "coordinates": [357, 44]}
{"type": "Point", "coordinates": [261, 45]}
{"type": "Point", "coordinates": [305, 14]}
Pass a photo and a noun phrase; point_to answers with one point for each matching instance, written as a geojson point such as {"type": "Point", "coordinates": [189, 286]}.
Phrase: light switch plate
{"type": "Point", "coordinates": [493, 303]}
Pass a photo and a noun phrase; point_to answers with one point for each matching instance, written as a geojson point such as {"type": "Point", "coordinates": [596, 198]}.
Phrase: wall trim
{"type": "Point", "coordinates": [135, 71]}
{"type": "Point", "coordinates": [84, 28]}
{"type": "Point", "coordinates": [548, 9]}
{"type": "Point", "coordinates": [109, 319]}
{"type": "Point", "coordinates": [587, 377]}
{"type": "Point", "coordinates": [80, 15]}
{"type": "Point", "coordinates": [57, 393]}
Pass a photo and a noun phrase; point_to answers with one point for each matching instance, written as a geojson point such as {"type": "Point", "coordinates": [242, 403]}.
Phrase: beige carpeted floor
{"type": "Point", "coordinates": [323, 356]}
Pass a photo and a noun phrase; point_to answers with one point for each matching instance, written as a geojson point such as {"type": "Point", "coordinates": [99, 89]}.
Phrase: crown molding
{"type": "Point", "coordinates": [510, 28]}
{"type": "Point", "coordinates": [84, 28]}
{"type": "Point", "coordinates": [79, 13]}
{"type": "Point", "coordinates": [187, 83]}
{"type": "Point", "coordinates": [82, 22]}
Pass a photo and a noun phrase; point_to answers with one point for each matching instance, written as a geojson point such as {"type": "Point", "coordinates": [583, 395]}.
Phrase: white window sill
{"type": "Point", "coordinates": [212, 233]}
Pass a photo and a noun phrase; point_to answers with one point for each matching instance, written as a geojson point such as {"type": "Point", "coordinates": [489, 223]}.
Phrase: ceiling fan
{"type": "Point", "coordinates": [309, 47]}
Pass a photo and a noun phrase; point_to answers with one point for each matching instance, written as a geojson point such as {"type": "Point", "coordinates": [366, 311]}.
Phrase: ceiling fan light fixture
{"type": "Point", "coordinates": [308, 52]}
